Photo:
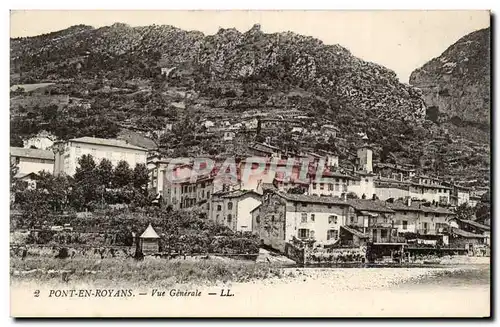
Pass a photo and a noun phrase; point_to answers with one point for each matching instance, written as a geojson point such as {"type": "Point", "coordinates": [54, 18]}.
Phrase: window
{"type": "Point", "coordinates": [405, 224]}
{"type": "Point", "coordinates": [332, 234]}
{"type": "Point", "coordinates": [321, 186]}
{"type": "Point", "coordinates": [383, 233]}
{"type": "Point", "coordinates": [304, 204]}
{"type": "Point", "coordinates": [337, 187]}
{"type": "Point", "coordinates": [425, 225]}
{"type": "Point", "coordinates": [229, 218]}
{"type": "Point", "coordinates": [257, 219]}
{"type": "Point", "coordinates": [229, 206]}
{"type": "Point", "coordinates": [404, 213]}
{"type": "Point", "coordinates": [208, 194]}
{"type": "Point", "coordinates": [219, 207]}
{"type": "Point", "coordinates": [314, 186]}
{"type": "Point", "coordinates": [330, 187]}
{"type": "Point", "coordinates": [426, 214]}
{"type": "Point", "coordinates": [304, 218]}
{"type": "Point", "coordinates": [312, 217]}
{"type": "Point", "coordinates": [303, 233]}
{"type": "Point", "coordinates": [94, 152]}
{"type": "Point", "coordinates": [78, 150]}
{"type": "Point", "coordinates": [333, 219]}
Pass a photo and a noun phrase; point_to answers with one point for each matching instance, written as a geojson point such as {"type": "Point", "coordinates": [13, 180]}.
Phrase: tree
{"type": "Point", "coordinates": [16, 140]}
{"type": "Point", "coordinates": [483, 208]}
{"type": "Point", "coordinates": [105, 172]}
{"type": "Point", "coordinates": [86, 169]}
{"type": "Point", "coordinates": [13, 172]}
{"type": "Point", "coordinates": [123, 174]}
{"type": "Point", "coordinates": [352, 195]}
{"type": "Point", "coordinates": [84, 195]}
{"type": "Point", "coordinates": [464, 211]}
{"type": "Point", "coordinates": [141, 177]}
{"type": "Point", "coordinates": [34, 205]}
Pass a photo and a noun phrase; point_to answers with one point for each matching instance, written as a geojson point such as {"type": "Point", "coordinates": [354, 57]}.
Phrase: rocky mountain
{"type": "Point", "coordinates": [149, 77]}
{"type": "Point", "coordinates": [280, 60]}
{"type": "Point", "coordinates": [457, 83]}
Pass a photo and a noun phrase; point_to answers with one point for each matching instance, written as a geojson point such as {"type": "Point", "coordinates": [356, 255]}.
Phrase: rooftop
{"type": "Point", "coordinates": [475, 224]}
{"type": "Point", "coordinates": [419, 207]}
{"type": "Point", "coordinates": [107, 142]}
{"type": "Point", "coordinates": [149, 233]}
{"type": "Point", "coordinates": [32, 153]}
{"type": "Point", "coordinates": [358, 204]}
{"type": "Point", "coordinates": [461, 232]}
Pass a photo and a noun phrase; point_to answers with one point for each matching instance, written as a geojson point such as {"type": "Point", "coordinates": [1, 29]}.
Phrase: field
{"type": "Point", "coordinates": [150, 271]}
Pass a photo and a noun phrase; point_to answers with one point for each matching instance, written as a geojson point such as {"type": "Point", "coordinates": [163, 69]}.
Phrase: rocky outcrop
{"type": "Point", "coordinates": [457, 83]}
{"type": "Point", "coordinates": [279, 61]}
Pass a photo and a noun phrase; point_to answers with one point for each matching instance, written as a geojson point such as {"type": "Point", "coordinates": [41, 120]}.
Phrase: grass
{"type": "Point", "coordinates": [150, 272]}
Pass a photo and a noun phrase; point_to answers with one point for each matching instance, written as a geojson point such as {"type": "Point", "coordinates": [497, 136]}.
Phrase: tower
{"type": "Point", "coordinates": [365, 158]}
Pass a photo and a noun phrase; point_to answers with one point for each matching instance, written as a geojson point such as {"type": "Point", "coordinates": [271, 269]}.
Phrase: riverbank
{"type": "Point", "coordinates": [294, 292]}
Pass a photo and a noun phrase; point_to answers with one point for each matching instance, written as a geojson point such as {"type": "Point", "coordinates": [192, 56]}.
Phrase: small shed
{"type": "Point", "coordinates": [149, 241]}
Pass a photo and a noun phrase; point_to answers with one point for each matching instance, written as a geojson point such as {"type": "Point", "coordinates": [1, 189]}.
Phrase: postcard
{"type": "Point", "coordinates": [250, 164]}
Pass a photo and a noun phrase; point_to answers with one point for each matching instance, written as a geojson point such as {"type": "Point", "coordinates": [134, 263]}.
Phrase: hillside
{"type": "Point", "coordinates": [457, 83]}
{"type": "Point", "coordinates": [143, 78]}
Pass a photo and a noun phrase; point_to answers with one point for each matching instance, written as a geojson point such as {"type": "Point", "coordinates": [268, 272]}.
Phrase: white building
{"type": "Point", "coordinates": [234, 209]}
{"type": "Point", "coordinates": [32, 160]}
{"type": "Point", "coordinates": [67, 153]}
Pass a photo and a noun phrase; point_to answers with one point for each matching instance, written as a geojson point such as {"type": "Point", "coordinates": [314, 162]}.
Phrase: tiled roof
{"type": "Point", "coordinates": [358, 204]}
{"type": "Point", "coordinates": [354, 232]}
{"type": "Point", "coordinates": [107, 142]}
{"type": "Point", "coordinates": [370, 205]}
{"type": "Point", "coordinates": [475, 224]}
{"type": "Point", "coordinates": [398, 206]}
{"type": "Point", "coordinates": [236, 194]}
{"type": "Point", "coordinates": [312, 198]}
{"type": "Point", "coordinates": [461, 232]}
{"type": "Point", "coordinates": [415, 206]}
{"type": "Point", "coordinates": [32, 153]}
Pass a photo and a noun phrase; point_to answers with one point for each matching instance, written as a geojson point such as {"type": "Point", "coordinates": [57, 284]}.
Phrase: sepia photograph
{"type": "Point", "coordinates": [250, 163]}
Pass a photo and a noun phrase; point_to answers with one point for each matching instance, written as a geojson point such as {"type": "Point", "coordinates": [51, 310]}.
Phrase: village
{"type": "Point", "coordinates": [321, 212]}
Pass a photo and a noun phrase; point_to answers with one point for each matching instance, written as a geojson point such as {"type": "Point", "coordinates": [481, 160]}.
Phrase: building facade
{"type": "Point", "coordinates": [67, 153]}
{"type": "Point", "coordinates": [32, 160]}
{"type": "Point", "coordinates": [234, 209]}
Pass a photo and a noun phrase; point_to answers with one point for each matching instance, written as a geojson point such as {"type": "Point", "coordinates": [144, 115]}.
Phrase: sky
{"type": "Point", "coordinates": [399, 40]}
